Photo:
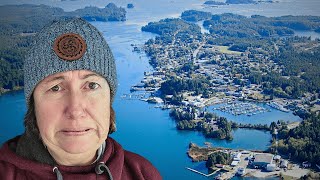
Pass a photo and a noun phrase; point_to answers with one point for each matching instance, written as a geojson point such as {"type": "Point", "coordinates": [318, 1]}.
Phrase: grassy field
{"type": "Point", "coordinates": [224, 49]}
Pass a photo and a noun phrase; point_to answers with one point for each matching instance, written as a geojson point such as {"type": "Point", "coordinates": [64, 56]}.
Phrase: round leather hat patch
{"type": "Point", "coordinates": [69, 46]}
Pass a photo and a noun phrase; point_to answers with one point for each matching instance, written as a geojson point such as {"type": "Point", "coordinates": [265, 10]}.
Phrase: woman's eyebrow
{"type": "Point", "coordinates": [54, 79]}
{"type": "Point", "coordinates": [89, 75]}
{"type": "Point", "coordinates": [63, 78]}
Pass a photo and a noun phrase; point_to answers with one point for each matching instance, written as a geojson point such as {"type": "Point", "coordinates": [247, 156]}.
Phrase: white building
{"type": "Point", "coordinates": [271, 167]}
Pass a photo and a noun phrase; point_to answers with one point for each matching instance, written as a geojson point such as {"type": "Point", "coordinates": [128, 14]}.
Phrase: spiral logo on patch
{"type": "Point", "coordinates": [69, 46]}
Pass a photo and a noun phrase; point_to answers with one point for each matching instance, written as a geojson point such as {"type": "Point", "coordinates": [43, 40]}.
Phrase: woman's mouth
{"type": "Point", "coordinates": [76, 132]}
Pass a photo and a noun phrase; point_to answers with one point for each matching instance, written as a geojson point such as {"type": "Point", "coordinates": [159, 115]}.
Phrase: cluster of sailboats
{"type": "Point", "coordinates": [242, 108]}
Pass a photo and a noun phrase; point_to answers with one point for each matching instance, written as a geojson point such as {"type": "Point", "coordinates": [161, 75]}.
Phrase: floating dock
{"type": "Point", "coordinates": [203, 174]}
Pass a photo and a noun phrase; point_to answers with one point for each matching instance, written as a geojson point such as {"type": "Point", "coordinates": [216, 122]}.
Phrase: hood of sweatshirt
{"type": "Point", "coordinates": [122, 165]}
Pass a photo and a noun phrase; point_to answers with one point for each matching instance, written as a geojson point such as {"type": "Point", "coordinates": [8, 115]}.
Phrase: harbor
{"type": "Point", "coordinates": [242, 108]}
{"type": "Point", "coordinates": [135, 96]}
{"type": "Point", "coordinates": [261, 113]}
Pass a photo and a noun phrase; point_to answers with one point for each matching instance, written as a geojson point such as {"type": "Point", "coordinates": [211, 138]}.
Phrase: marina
{"type": "Point", "coordinates": [135, 96]}
{"type": "Point", "coordinates": [242, 108]}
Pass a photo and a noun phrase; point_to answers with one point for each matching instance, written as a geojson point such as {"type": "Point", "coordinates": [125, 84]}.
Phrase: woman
{"type": "Point", "coordinates": [70, 84]}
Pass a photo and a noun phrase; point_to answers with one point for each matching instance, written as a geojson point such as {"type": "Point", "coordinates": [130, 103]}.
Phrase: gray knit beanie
{"type": "Point", "coordinates": [68, 44]}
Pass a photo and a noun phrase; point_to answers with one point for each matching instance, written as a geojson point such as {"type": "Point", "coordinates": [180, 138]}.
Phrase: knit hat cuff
{"type": "Point", "coordinates": [43, 60]}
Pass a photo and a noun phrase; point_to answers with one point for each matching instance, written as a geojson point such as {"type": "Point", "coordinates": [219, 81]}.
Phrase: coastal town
{"type": "Point", "coordinates": [227, 84]}
{"type": "Point", "coordinates": [223, 69]}
{"type": "Point", "coordinates": [192, 73]}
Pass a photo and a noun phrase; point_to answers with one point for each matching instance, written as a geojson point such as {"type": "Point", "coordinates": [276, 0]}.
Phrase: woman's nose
{"type": "Point", "coordinates": [75, 106]}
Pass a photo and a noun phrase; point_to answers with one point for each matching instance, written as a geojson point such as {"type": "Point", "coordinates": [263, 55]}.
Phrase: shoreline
{"type": "Point", "coordinates": [245, 162]}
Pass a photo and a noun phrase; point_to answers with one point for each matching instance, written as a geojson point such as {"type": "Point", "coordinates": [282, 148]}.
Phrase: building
{"type": "Point", "coordinates": [271, 167]}
{"type": "Point", "coordinates": [234, 163]}
{"type": "Point", "coordinates": [237, 156]}
{"type": "Point", "coordinates": [277, 157]}
{"type": "Point", "coordinates": [284, 163]}
{"type": "Point", "coordinates": [219, 165]}
{"type": "Point", "coordinates": [262, 160]}
{"type": "Point", "coordinates": [306, 164]}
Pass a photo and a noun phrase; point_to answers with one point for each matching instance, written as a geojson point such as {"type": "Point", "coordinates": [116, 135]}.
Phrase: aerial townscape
{"type": "Point", "coordinates": [238, 61]}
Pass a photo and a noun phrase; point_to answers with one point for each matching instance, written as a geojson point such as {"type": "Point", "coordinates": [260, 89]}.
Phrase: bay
{"type": "Point", "coordinates": [148, 130]}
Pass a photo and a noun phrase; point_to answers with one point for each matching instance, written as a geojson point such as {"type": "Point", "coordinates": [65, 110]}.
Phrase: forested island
{"type": "Point", "coordinates": [18, 24]}
{"type": "Point", "coordinates": [242, 58]}
{"type": "Point", "coordinates": [214, 3]}
{"type": "Point", "coordinates": [209, 124]}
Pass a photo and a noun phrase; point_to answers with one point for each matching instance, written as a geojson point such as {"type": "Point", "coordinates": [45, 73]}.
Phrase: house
{"type": "Point", "coordinates": [271, 167]}
{"type": "Point", "coordinates": [277, 158]}
{"type": "Point", "coordinates": [262, 160]}
{"type": "Point", "coordinates": [284, 163]}
{"type": "Point", "coordinates": [236, 157]}
{"type": "Point", "coordinates": [219, 165]}
{"type": "Point", "coordinates": [234, 163]}
{"type": "Point", "coordinates": [306, 164]}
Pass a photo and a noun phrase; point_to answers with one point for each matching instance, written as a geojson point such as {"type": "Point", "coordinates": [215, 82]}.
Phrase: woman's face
{"type": "Point", "coordinates": [73, 111]}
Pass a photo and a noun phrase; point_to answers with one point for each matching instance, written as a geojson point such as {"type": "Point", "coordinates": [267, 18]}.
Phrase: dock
{"type": "Point", "coordinates": [203, 174]}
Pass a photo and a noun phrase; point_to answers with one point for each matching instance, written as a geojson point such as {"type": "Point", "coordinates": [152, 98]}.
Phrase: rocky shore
{"type": "Point", "coordinates": [197, 153]}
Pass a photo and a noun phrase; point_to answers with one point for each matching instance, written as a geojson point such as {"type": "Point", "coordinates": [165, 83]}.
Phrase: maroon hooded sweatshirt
{"type": "Point", "coordinates": [121, 164]}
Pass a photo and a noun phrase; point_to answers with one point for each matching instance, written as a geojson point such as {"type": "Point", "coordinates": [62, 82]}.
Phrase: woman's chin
{"type": "Point", "coordinates": [79, 145]}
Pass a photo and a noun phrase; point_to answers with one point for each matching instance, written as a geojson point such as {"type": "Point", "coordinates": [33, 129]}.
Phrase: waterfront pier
{"type": "Point", "coordinates": [206, 175]}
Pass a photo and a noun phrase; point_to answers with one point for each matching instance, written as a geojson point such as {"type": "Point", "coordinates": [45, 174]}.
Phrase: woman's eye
{"type": "Point", "coordinates": [55, 88]}
{"type": "Point", "coordinates": [93, 85]}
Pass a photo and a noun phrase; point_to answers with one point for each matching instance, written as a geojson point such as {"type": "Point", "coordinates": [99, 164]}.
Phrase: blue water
{"type": "Point", "coordinates": [141, 127]}
{"type": "Point", "coordinates": [12, 109]}
{"type": "Point", "coordinates": [260, 118]}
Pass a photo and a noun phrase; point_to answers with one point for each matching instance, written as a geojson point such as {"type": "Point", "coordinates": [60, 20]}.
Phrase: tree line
{"type": "Point", "coordinates": [303, 142]}
{"type": "Point", "coordinates": [218, 157]}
